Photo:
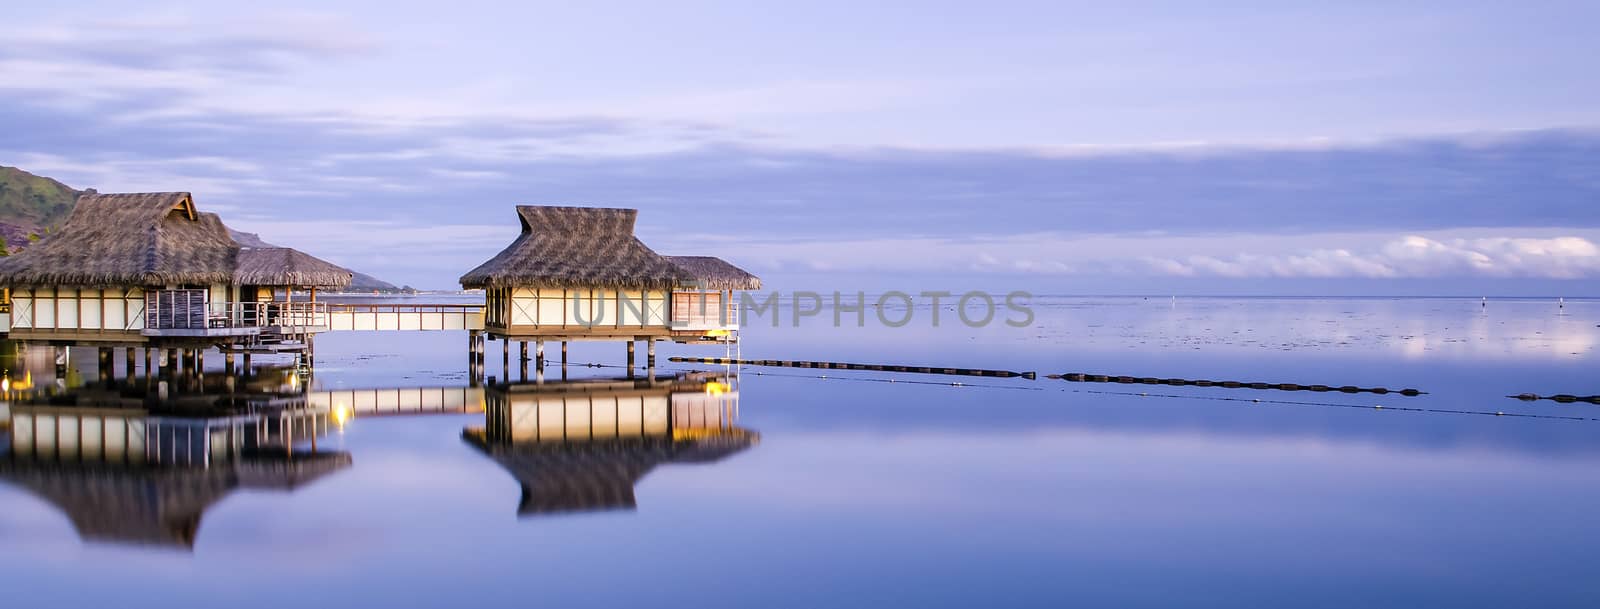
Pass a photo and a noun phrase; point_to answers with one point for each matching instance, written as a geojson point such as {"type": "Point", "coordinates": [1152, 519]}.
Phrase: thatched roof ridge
{"type": "Point", "coordinates": [715, 273]}
{"type": "Point", "coordinates": [576, 247]}
{"type": "Point", "coordinates": [128, 239]}
{"type": "Point", "coordinates": [285, 266]}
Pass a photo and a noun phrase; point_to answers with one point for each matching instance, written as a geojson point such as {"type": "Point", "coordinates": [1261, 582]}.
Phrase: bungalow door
{"type": "Point", "coordinates": [249, 317]}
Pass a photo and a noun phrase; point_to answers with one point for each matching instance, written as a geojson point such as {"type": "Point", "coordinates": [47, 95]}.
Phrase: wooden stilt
{"type": "Point", "coordinates": [524, 348]}
{"type": "Point", "coordinates": [538, 354]}
{"type": "Point", "coordinates": [630, 358]}
{"type": "Point", "coordinates": [650, 357]}
{"type": "Point", "coordinates": [128, 363]}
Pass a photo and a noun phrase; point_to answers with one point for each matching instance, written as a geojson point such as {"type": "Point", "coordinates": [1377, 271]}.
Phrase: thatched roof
{"type": "Point", "coordinates": [157, 505]}
{"type": "Point", "coordinates": [593, 476]}
{"type": "Point", "coordinates": [128, 239]}
{"type": "Point", "coordinates": [594, 247]}
{"type": "Point", "coordinates": [715, 273]}
{"type": "Point", "coordinates": [288, 267]}
{"type": "Point", "coordinates": [154, 239]}
{"type": "Point", "coordinates": [576, 247]}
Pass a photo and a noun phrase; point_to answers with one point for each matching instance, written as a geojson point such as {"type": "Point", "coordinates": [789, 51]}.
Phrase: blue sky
{"type": "Point", "coordinates": [1451, 148]}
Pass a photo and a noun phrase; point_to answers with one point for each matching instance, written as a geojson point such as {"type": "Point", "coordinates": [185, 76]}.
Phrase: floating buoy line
{"type": "Point", "coordinates": [1079, 377]}
{"type": "Point", "coordinates": [1142, 394]}
{"type": "Point", "coordinates": [1372, 407]}
{"type": "Point", "coordinates": [1560, 397]}
{"type": "Point", "coordinates": [781, 363]}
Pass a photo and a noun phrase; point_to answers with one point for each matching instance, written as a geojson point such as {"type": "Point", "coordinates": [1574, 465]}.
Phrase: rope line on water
{"type": "Point", "coordinates": [1081, 377]}
{"type": "Point", "coordinates": [1563, 398]}
{"type": "Point", "coordinates": [1374, 407]}
{"type": "Point", "coordinates": [827, 377]}
{"type": "Point", "coordinates": [847, 366]}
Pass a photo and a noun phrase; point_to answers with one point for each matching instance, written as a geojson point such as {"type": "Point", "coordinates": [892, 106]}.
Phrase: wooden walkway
{"type": "Point", "coordinates": [393, 317]}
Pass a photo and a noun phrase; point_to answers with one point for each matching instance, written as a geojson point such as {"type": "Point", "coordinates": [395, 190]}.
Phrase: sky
{"type": "Point", "coordinates": [1195, 148]}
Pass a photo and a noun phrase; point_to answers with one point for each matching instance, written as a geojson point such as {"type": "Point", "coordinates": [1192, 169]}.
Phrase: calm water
{"type": "Point", "coordinates": [782, 488]}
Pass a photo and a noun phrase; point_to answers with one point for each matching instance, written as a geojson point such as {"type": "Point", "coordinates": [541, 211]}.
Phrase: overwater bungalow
{"type": "Point", "coordinates": [150, 269]}
{"type": "Point", "coordinates": [579, 273]}
{"type": "Point", "coordinates": [578, 446]}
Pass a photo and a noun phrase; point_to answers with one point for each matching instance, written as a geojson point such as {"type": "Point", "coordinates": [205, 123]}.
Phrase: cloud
{"type": "Point", "coordinates": [173, 104]}
{"type": "Point", "coordinates": [1476, 253]}
{"type": "Point", "coordinates": [1411, 256]}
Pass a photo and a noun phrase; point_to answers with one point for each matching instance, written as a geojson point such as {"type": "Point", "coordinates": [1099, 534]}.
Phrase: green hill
{"type": "Point", "coordinates": [30, 200]}
{"type": "Point", "coordinates": [30, 205]}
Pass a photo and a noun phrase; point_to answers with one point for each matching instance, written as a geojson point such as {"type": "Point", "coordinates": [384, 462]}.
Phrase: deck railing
{"type": "Point", "coordinates": [693, 315]}
{"type": "Point", "coordinates": [193, 310]}
{"type": "Point", "coordinates": [176, 310]}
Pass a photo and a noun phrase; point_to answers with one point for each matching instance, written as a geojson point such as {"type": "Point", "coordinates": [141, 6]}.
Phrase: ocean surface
{"type": "Point", "coordinates": [789, 487]}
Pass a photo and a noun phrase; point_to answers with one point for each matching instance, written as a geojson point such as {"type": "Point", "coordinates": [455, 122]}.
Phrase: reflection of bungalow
{"type": "Point", "coordinates": [137, 269]}
{"type": "Point", "coordinates": [580, 273]}
{"type": "Point", "coordinates": [582, 445]}
{"type": "Point", "coordinates": [121, 476]}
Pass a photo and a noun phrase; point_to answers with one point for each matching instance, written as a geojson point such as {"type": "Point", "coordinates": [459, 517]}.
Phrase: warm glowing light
{"type": "Point", "coordinates": [23, 385]}
{"type": "Point", "coordinates": [717, 333]}
{"type": "Point", "coordinates": [341, 414]}
{"type": "Point", "coordinates": [716, 388]}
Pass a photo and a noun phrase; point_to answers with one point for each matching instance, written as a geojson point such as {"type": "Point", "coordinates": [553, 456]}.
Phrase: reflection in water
{"type": "Point", "coordinates": [124, 475]}
{"type": "Point", "coordinates": [582, 445]}
{"type": "Point", "coordinates": [139, 460]}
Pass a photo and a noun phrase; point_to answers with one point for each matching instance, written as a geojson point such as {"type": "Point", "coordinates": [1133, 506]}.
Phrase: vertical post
{"type": "Point", "coordinates": [227, 363]}
{"type": "Point", "coordinates": [246, 364]}
{"type": "Point", "coordinates": [149, 370]}
{"type": "Point", "coordinates": [128, 363]}
{"type": "Point", "coordinates": [171, 362]}
{"type": "Point", "coordinates": [563, 354]}
{"type": "Point", "coordinates": [473, 357]}
{"type": "Point", "coordinates": [650, 353]}
{"type": "Point", "coordinates": [522, 360]}
{"type": "Point", "coordinates": [104, 364]}
{"type": "Point", "coordinates": [630, 358]}
{"type": "Point", "coordinates": [505, 356]}
{"type": "Point", "coordinates": [538, 354]}
{"type": "Point", "coordinates": [200, 360]}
